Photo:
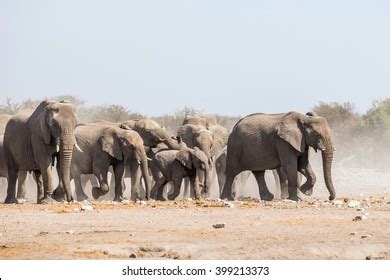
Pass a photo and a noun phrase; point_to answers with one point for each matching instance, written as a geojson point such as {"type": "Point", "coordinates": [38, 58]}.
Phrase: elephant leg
{"type": "Point", "coordinates": [158, 181]}
{"type": "Point", "coordinates": [283, 183]}
{"type": "Point", "coordinates": [195, 186]}
{"type": "Point", "coordinates": [176, 180]}
{"type": "Point", "coordinates": [307, 187]}
{"type": "Point", "coordinates": [265, 194]}
{"type": "Point", "coordinates": [119, 173]}
{"type": "Point", "coordinates": [39, 181]}
{"type": "Point", "coordinates": [135, 176]}
{"type": "Point", "coordinates": [47, 181]}
{"type": "Point", "coordinates": [22, 185]}
{"type": "Point", "coordinates": [160, 191]}
{"type": "Point", "coordinates": [292, 178]}
{"type": "Point", "coordinates": [78, 185]}
{"type": "Point", "coordinates": [11, 189]}
{"type": "Point", "coordinates": [187, 189]}
{"type": "Point", "coordinates": [101, 172]}
{"type": "Point", "coordinates": [220, 170]}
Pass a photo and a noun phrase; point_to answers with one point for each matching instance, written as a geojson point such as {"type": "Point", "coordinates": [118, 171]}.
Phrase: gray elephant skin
{"type": "Point", "coordinates": [261, 142]}
{"type": "Point", "coordinates": [173, 166]}
{"type": "Point", "coordinates": [31, 138]}
{"type": "Point", "coordinates": [211, 138]}
{"type": "Point", "coordinates": [22, 175]}
{"type": "Point", "coordinates": [102, 146]}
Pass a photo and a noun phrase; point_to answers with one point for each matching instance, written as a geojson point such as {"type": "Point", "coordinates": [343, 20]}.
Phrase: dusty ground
{"type": "Point", "coordinates": [313, 229]}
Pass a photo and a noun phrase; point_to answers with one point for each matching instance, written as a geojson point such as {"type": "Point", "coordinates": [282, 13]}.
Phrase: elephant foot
{"type": "Point", "coordinates": [104, 188]}
{"type": "Point", "coordinates": [118, 198]}
{"type": "Point", "coordinates": [46, 200]}
{"type": "Point", "coordinates": [98, 192]}
{"type": "Point", "coordinates": [306, 189]}
{"type": "Point", "coordinates": [10, 200]}
{"type": "Point", "coordinates": [307, 192]}
{"type": "Point", "coordinates": [228, 196]}
{"type": "Point", "coordinates": [294, 198]}
{"type": "Point", "coordinates": [21, 200]}
{"type": "Point", "coordinates": [82, 197]}
{"type": "Point", "coordinates": [135, 197]}
{"type": "Point", "coordinates": [161, 198]}
{"type": "Point", "coordinates": [59, 194]}
{"type": "Point", "coordinates": [267, 196]}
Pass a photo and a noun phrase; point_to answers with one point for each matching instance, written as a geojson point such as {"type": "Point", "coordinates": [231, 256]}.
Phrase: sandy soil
{"type": "Point", "coordinates": [313, 229]}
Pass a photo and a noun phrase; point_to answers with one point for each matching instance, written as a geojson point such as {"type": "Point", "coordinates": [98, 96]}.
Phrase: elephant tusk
{"type": "Point", "coordinates": [78, 148]}
{"type": "Point", "coordinates": [148, 158]}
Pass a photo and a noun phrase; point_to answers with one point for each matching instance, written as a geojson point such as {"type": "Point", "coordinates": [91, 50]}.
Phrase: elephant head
{"type": "Point", "coordinates": [196, 158]}
{"type": "Point", "coordinates": [153, 134]}
{"type": "Point", "coordinates": [56, 123]}
{"type": "Point", "coordinates": [301, 131]}
{"type": "Point", "coordinates": [205, 120]}
{"type": "Point", "coordinates": [210, 140]}
{"type": "Point", "coordinates": [125, 145]}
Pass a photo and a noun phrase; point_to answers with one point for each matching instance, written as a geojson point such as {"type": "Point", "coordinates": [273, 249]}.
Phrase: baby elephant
{"type": "Point", "coordinates": [173, 166]}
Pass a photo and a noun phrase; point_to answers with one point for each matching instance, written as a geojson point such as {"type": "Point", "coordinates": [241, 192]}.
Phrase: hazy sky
{"type": "Point", "coordinates": [229, 57]}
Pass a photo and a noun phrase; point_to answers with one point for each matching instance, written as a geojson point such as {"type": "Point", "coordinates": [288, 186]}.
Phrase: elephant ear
{"type": "Point", "coordinates": [289, 130]}
{"type": "Point", "coordinates": [220, 139]}
{"type": "Point", "coordinates": [185, 158]}
{"type": "Point", "coordinates": [111, 144]}
{"type": "Point", "coordinates": [44, 120]}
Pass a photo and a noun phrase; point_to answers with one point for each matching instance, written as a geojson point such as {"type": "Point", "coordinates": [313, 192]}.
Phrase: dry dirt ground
{"type": "Point", "coordinates": [313, 229]}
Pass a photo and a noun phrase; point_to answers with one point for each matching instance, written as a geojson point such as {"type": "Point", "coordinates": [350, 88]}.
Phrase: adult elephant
{"type": "Point", "coordinates": [155, 138]}
{"type": "Point", "coordinates": [260, 142]}
{"type": "Point", "coordinates": [210, 139]}
{"type": "Point", "coordinates": [102, 146]}
{"type": "Point", "coordinates": [30, 140]}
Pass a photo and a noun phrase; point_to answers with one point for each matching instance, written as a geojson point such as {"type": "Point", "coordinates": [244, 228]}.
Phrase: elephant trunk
{"type": "Point", "coordinates": [171, 143]}
{"type": "Point", "coordinates": [207, 181]}
{"type": "Point", "coordinates": [145, 171]}
{"type": "Point", "coordinates": [327, 158]}
{"type": "Point", "coordinates": [66, 149]}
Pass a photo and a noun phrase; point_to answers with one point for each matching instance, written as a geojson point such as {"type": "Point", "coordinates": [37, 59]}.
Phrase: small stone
{"type": "Point", "coordinates": [228, 204]}
{"type": "Point", "coordinates": [189, 199]}
{"type": "Point", "coordinates": [133, 256]}
{"type": "Point", "coordinates": [366, 236]}
{"type": "Point", "coordinates": [42, 233]}
{"type": "Point", "coordinates": [338, 202]}
{"type": "Point", "coordinates": [353, 233]}
{"type": "Point", "coordinates": [368, 258]}
{"type": "Point", "coordinates": [86, 208]}
{"type": "Point", "coordinates": [105, 253]}
{"type": "Point", "coordinates": [219, 225]}
{"type": "Point", "coordinates": [359, 218]}
{"type": "Point", "coordinates": [69, 231]}
{"type": "Point", "coordinates": [354, 203]}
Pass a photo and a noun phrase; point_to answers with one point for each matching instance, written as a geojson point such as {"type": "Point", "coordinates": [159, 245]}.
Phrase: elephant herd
{"type": "Point", "coordinates": [50, 139]}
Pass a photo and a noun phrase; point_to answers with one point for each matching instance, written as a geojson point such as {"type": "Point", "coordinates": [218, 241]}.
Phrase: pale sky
{"type": "Point", "coordinates": [227, 57]}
